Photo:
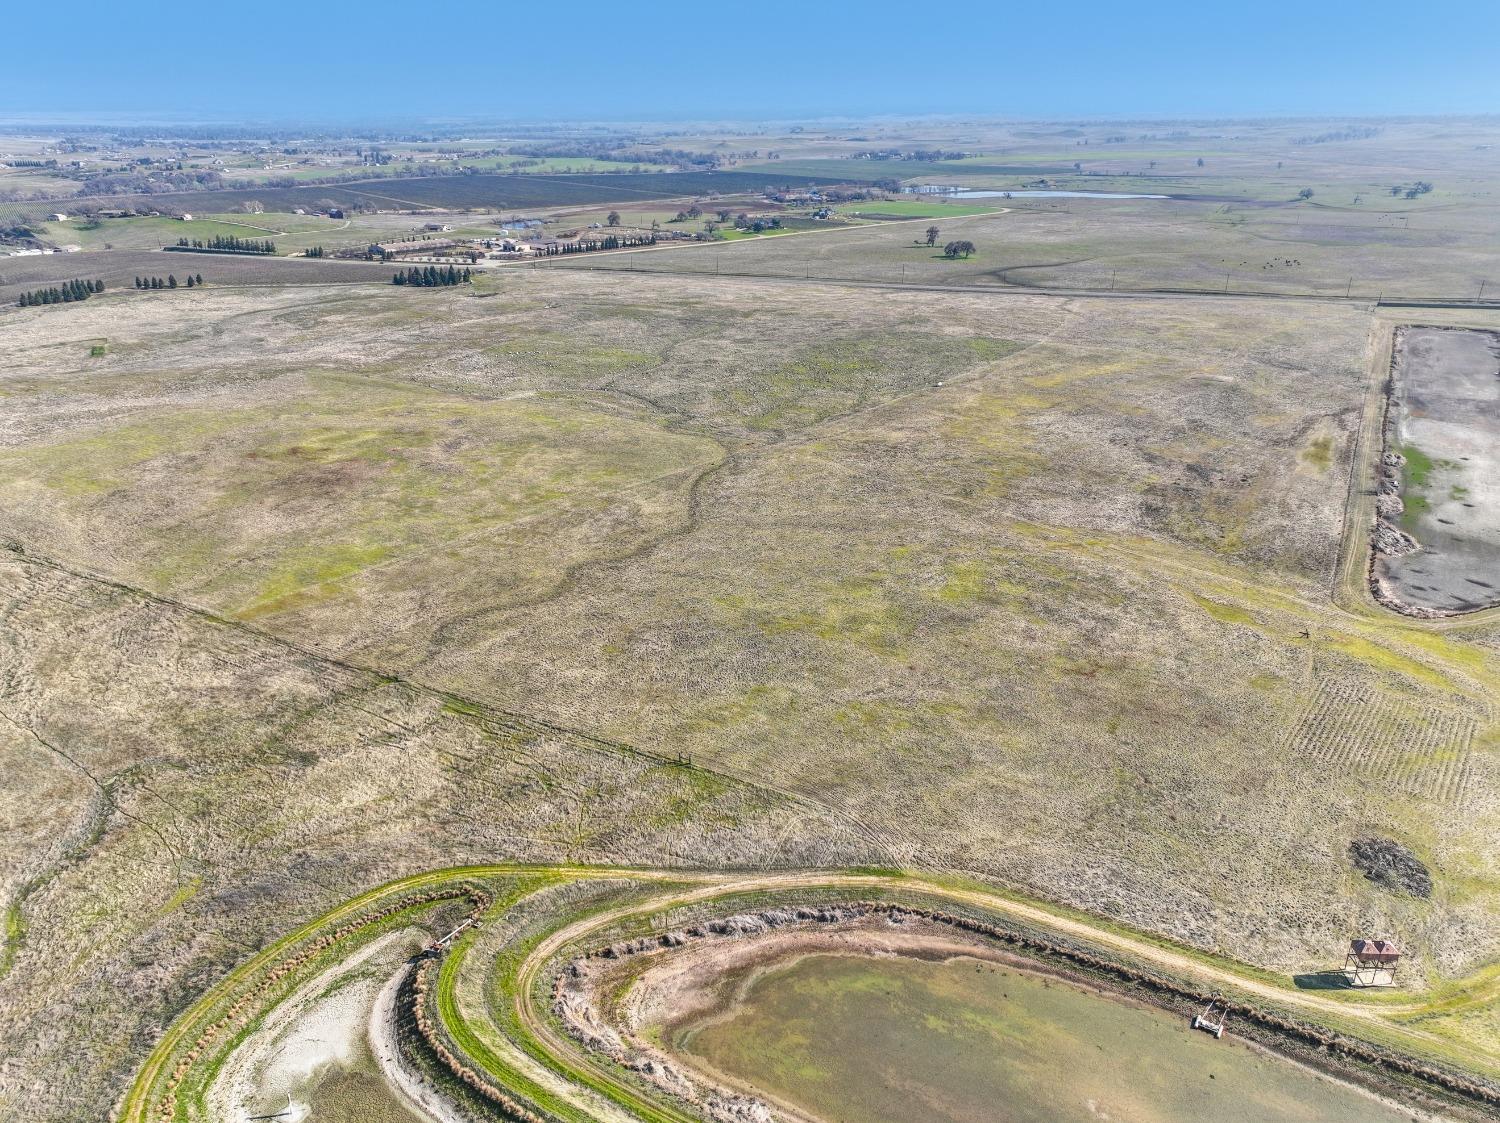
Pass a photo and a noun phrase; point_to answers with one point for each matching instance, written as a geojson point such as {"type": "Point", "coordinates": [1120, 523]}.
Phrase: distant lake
{"type": "Point", "coordinates": [975, 193]}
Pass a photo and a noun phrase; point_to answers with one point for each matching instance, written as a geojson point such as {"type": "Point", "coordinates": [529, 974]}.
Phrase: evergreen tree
{"type": "Point", "coordinates": [190, 280]}
{"type": "Point", "coordinates": [200, 278]}
{"type": "Point", "coordinates": [171, 281]}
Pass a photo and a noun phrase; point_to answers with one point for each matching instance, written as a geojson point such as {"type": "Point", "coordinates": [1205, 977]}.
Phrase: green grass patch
{"type": "Point", "coordinates": [1418, 466]}
{"type": "Point", "coordinates": [15, 932]}
{"type": "Point", "coordinates": [1319, 453]}
{"type": "Point", "coordinates": [1224, 613]}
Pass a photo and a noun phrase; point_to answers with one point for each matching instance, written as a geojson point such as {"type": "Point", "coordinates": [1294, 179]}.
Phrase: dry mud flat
{"type": "Point", "coordinates": [322, 1056]}
{"type": "Point", "coordinates": [1437, 537]}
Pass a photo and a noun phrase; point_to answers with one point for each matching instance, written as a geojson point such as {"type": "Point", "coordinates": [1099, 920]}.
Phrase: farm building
{"type": "Point", "coordinates": [413, 245]}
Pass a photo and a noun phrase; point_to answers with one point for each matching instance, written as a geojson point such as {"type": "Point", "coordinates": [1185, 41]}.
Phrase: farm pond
{"type": "Point", "coordinates": [859, 1038]}
{"type": "Point", "coordinates": [985, 193]}
{"type": "Point", "coordinates": [1438, 544]}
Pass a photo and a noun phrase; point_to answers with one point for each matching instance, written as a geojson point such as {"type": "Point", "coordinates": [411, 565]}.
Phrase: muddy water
{"type": "Point", "coordinates": [860, 1039]}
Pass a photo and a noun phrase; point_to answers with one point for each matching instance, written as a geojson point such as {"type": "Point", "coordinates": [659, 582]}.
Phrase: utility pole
{"type": "Point", "coordinates": [1115, 273]}
{"type": "Point", "coordinates": [1226, 280]}
{"type": "Point", "coordinates": [1481, 289]}
{"type": "Point", "coordinates": [1350, 289]}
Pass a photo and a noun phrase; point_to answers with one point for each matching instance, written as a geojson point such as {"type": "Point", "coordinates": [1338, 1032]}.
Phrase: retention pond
{"type": "Point", "coordinates": [1437, 537]}
{"type": "Point", "coordinates": [986, 193]}
{"type": "Point", "coordinates": [859, 1038]}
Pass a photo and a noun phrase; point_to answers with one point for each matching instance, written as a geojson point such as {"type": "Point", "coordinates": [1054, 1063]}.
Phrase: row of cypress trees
{"type": "Point", "coordinates": [65, 293]}
{"type": "Point", "coordinates": [433, 275]}
{"type": "Point", "coordinates": [229, 243]}
{"type": "Point", "coordinates": [169, 283]}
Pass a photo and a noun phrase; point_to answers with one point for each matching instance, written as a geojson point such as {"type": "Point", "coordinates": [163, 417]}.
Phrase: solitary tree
{"type": "Point", "coordinates": [1305, 193]}
{"type": "Point", "coordinates": [614, 218]}
{"type": "Point", "coordinates": [955, 249]}
{"type": "Point", "coordinates": [1200, 161]}
{"type": "Point", "coordinates": [932, 235]}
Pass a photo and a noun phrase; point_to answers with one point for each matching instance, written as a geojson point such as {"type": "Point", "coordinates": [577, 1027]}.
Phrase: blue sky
{"type": "Point", "coordinates": [372, 60]}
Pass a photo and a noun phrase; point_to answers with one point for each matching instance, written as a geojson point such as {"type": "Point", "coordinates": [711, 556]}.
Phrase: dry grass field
{"type": "Point", "coordinates": [305, 589]}
{"type": "Point", "coordinates": [1381, 247]}
{"type": "Point", "coordinates": [119, 268]}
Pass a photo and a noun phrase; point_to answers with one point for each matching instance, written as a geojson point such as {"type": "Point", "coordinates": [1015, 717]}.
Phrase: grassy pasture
{"type": "Point", "coordinates": [923, 208]}
{"type": "Point", "coordinates": [1440, 251]}
{"type": "Point", "coordinates": [1043, 590]}
{"type": "Point", "coordinates": [150, 233]}
{"type": "Point", "coordinates": [119, 268]}
{"type": "Point", "coordinates": [1015, 522]}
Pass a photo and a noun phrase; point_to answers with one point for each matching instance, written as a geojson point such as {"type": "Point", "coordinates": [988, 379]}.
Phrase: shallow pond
{"type": "Point", "coordinates": [977, 193]}
{"type": "Point", "coordinates": [863, 1039]}
{"type": "Point", "coordinates": [1446, 423]}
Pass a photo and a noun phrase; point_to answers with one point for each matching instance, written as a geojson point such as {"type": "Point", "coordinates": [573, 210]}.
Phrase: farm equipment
{"type": "Point", "coordinates": [442, 945]}
{"type": "Point", "coordinates": [1212, 1019]}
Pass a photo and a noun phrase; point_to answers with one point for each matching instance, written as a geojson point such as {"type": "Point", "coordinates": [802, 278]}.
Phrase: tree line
{"type": "Point", "coordinates": [66, 293]}
{"type": "Point", "coordinates": [608, 242]}
{"type": "Point", "coordinates": [169, 282]}
{"type": "Point", "coordinates": [433, 276]}
{"type": "Point", "coordinates": [227, 243]}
